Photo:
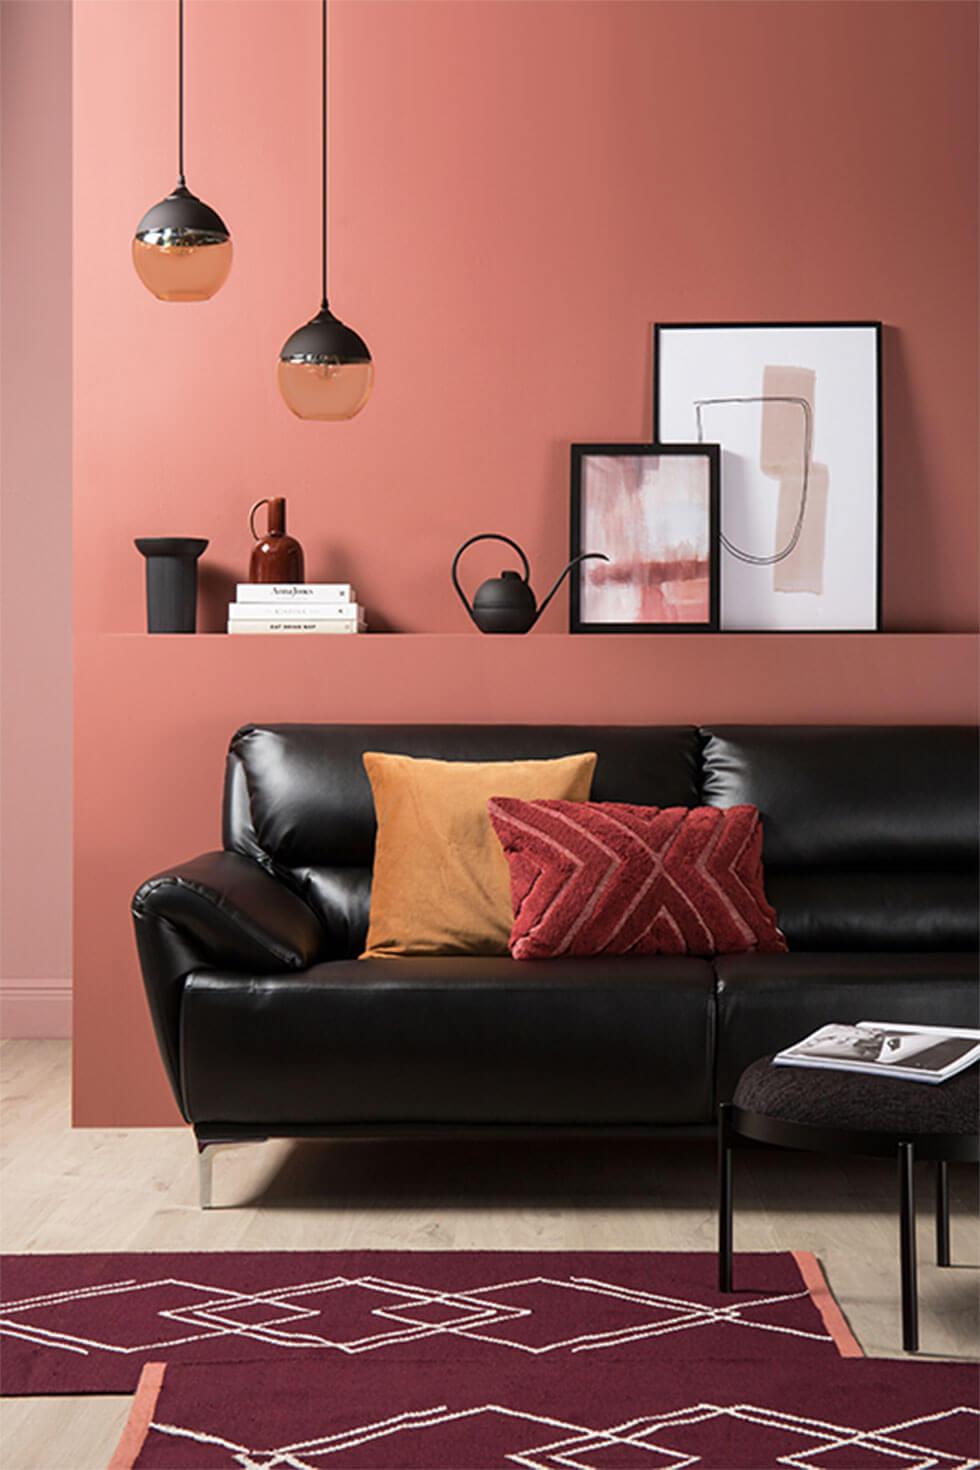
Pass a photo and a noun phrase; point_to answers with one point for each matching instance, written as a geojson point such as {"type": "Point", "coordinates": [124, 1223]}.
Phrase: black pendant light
{"type": "Point", "coordinates": [182, 248]}
{"type": "Point", "coordinates": [325, 369]}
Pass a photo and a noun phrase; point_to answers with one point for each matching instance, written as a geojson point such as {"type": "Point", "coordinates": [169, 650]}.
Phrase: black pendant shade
{"type": "Point", "coordinates": [182, 249]}
{"type": "Point", "coordinates": [325, 339]}
{"type": "Point", "coordinates": [183, 214]}
{"type": "Point", "coordinates": [325, 370]}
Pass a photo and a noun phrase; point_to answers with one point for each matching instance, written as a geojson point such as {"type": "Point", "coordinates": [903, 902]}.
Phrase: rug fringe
{"type": "Point", "coordinates": [140, 1417]}
{"type": "Point", "coordinates": [815, 1280]}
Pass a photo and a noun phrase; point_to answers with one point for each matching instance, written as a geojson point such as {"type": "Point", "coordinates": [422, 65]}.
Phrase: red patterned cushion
{"type": "Point", "coordinates": [591, 878]}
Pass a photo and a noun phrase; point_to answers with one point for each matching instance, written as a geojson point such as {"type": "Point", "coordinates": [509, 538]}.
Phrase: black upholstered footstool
{"type": "Point", "coordinates": [848, 1112]}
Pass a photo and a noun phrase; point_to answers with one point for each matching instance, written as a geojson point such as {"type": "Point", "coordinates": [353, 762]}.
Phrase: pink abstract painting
{"type": "Point", "coordinates": [650, 514]}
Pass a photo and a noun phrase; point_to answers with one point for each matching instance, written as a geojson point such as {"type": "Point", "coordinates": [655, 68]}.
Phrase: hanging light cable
{"type": "Point", "coordinates": [325, 369]}
{"type": "Point", "coordinates": [182, 248]}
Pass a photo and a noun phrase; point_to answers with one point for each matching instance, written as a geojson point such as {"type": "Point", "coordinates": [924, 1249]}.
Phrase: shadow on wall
{"type": "Point", "coordinates": [215, 589]}
{"type": "Point", "coordinates": [329, 560]}
{"type": "Point", "coordinates": [908, 537]}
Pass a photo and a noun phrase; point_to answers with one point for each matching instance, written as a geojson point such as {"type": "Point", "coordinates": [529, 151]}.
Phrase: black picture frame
{"type": "Point", "coordinates": [709, 452]}
{"type": "Point", "coordinates": [877, 328]}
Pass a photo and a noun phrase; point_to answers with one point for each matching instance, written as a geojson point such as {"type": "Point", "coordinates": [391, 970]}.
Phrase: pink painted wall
{"type": "Point", "coordinates": [35, 518]}
{"type": "Point", "coordinates": [519, 192]}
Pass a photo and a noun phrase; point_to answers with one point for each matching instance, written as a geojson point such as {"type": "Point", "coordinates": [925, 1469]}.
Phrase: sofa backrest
{"type": "Point", "coordinates": [297, 798]}
{"type": "Point", "coordinates": [870, 832]}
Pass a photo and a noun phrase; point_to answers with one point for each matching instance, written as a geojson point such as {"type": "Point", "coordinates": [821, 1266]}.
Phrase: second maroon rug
{"type": "Point", "coordinates": [604, 1413]}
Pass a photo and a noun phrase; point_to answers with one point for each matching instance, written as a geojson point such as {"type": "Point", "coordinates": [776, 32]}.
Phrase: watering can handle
{"type": "Point", "coordinates": [485, 536]}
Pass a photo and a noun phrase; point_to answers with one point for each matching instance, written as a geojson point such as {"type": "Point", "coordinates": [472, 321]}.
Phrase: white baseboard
{"type": "Point", "coordinates": [35, 1008]}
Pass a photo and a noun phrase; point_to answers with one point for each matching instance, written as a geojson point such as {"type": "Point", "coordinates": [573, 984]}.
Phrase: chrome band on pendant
{"type": "Point", "coordinates": [179, 236]}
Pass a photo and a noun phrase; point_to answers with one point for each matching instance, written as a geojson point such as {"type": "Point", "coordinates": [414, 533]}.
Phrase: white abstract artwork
{"type": "Point", "coordinates": [796, 411]}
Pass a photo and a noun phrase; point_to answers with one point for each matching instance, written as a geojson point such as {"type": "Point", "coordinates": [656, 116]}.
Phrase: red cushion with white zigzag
{"type": "Point", "coordinates": [591, 878]}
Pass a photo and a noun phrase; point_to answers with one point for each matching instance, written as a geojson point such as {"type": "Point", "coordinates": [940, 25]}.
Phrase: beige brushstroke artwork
{"type": "Point", "coordinates": [785, 447]}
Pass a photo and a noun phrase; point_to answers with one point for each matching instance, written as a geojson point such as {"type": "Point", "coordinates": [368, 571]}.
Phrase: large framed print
{"type": "Point", "coordinates": [652, 511]}
{"type": "Point", "coordinates": [796, 409]}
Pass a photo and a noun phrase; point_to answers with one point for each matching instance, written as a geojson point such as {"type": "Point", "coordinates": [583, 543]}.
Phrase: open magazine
{"type": "Point", "coordinates": [887, 1049]}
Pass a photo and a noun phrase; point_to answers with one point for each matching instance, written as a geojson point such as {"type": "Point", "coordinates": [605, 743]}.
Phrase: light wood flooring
{"type": "Point", "coordinates": [64, 1189]}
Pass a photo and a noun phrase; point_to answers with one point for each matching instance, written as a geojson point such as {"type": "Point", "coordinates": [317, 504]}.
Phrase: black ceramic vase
{"type": "Point", "coordinates": [171, 582]}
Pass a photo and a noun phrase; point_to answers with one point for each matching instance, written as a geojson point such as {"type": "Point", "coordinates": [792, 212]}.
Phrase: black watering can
{"type": "Point", "coordinates": [506, 604]}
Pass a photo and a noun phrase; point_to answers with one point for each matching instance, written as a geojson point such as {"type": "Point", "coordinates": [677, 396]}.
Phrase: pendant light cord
{"type": "Point", "coordinates": [323, 160]}
{"type": "Point", "coordinates": [180, 93]}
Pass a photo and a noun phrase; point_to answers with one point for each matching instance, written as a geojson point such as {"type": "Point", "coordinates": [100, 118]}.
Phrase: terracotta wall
{"type": "Point", "coordinates": [519, 192]}
{"type": "Point", "coordinates": [35, 512]}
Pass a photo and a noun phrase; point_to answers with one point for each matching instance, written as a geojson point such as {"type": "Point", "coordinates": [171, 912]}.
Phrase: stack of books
{"type": "Point", "coordinates": [295, 607]}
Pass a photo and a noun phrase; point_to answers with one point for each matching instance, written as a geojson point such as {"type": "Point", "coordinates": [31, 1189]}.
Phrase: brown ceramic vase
{"type": "Point", "coordinates": [276, 557]}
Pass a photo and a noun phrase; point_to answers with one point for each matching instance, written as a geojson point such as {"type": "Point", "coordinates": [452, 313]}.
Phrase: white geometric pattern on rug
{"type": "Point", "coordinates": [894, 1446]}
{"type": "Point", "coordinates": [276, 1316]}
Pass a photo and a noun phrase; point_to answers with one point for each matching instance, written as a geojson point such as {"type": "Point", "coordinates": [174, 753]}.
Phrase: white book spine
{"type": "Point", "coordinates": [295, 593]}
{"type": "Point", "coordinates": [319, 610]}
{"type": "Point", "coordinates": [295, 625]}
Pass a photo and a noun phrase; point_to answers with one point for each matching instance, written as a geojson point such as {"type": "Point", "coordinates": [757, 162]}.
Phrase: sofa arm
{"type": "Point", "coordinates": [221, 910]}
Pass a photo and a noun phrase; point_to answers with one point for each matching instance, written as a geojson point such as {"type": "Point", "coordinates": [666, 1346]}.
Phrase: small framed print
{"type": "Point", "coordinates": [796, 409]}
{"type": "Point", "coordinates": [652, 509]}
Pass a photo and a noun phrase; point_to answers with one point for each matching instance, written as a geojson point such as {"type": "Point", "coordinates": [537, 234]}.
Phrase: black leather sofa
{"type": "Point", "coordinates": [269, 1025]}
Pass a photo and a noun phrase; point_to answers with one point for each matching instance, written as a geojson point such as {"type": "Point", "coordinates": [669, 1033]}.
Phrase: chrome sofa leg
{"type": "Point", "coordinates": [205, 1173]}
{"type": "Point", "coordinates": [206, 1150]}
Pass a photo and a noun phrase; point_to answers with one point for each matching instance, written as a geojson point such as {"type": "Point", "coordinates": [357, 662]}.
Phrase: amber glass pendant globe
{"type": "Point", "coordinates": [325, 390]}
{"type": "Point", "coordinates": [325, 369]}
{"type": "Point", "coordinates": [182, 249]}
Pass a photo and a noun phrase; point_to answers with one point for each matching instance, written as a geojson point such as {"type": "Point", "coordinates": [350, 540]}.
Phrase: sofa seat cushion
{"type": "Point", "coordinates": [452, 1040]}
{"type": "Point", "coordinates": [766, 1002]}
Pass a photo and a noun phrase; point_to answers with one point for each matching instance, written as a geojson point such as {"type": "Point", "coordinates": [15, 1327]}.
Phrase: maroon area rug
{"type": "Point", "coordinates": [88, 1324]}
{"type": "Point", "coordinates": [595, 1413]}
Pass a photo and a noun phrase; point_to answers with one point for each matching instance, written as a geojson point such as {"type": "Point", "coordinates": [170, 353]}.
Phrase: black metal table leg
{"type": "Point", "coordinates": [910, 1294]}
{"type": "Point", "coordinates": [724, 1198]}
{"type": "Point", "coordinates": [942, 1214]}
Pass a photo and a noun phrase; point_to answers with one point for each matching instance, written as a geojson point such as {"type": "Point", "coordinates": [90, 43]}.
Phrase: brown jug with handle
{"type": "Point", "coordinates": [276, 557]}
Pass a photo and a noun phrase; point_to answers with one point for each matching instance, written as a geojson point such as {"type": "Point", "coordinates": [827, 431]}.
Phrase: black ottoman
{"type": "Point", "coordinates": [849, 1112]}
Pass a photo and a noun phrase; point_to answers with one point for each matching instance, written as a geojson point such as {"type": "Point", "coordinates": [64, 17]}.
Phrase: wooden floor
{"type": "Point", "coordinates": [87, 1190]}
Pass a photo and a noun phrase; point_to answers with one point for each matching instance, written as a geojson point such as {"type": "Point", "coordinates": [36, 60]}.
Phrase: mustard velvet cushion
{"type": "Point", "coordinates": [441, 884]}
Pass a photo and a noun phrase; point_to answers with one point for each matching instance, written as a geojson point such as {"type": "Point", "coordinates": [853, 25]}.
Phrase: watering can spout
{"type": "Point", "coordinates": [575, 561]}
